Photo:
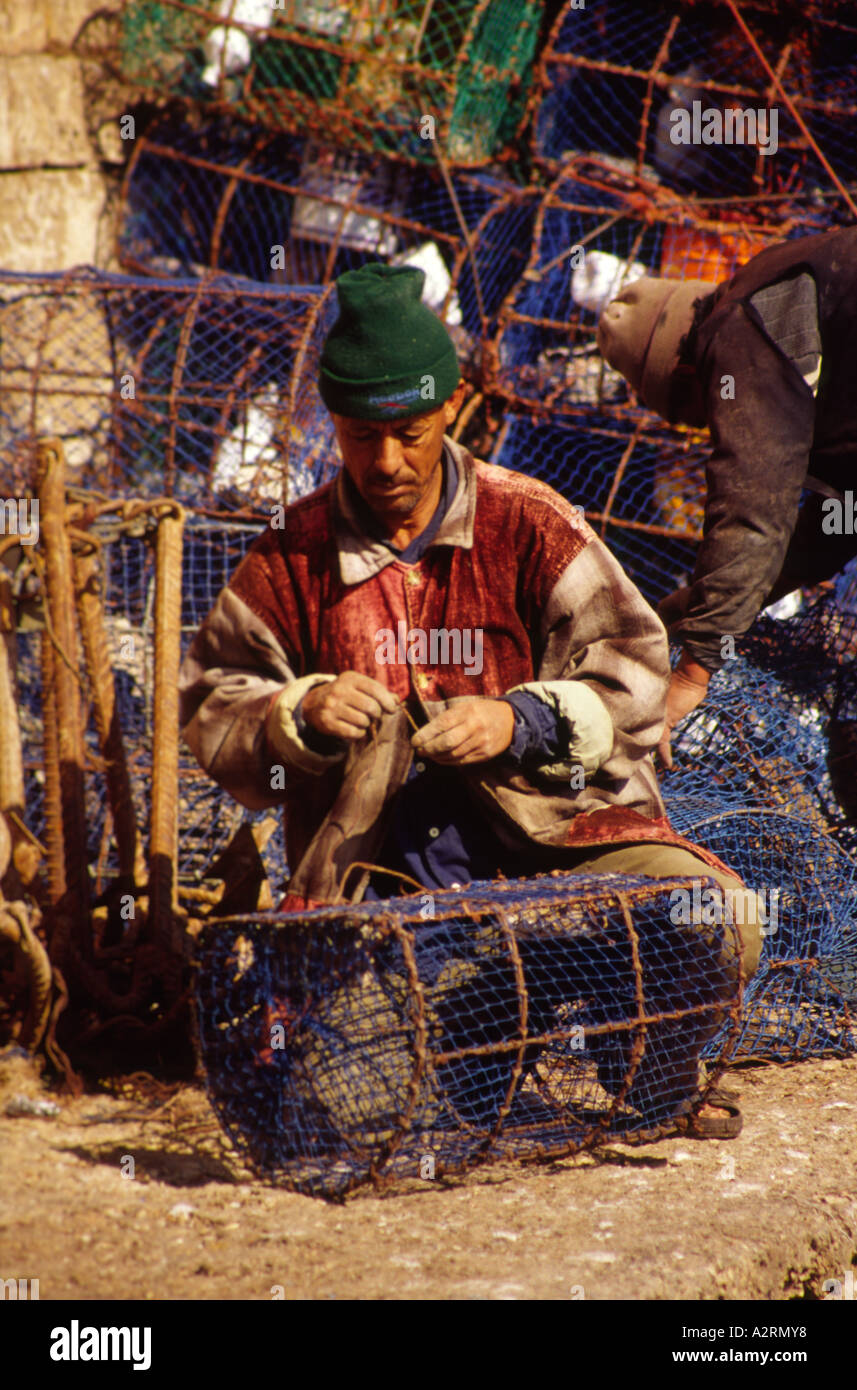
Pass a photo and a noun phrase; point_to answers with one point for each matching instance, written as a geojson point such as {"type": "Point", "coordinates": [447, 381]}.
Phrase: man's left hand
{"type": "Point", "coordinates": [470, 732]}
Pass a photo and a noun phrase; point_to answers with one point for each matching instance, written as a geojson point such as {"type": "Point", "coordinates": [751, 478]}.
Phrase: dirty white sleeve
{"type": "Point", "coordinates": [282, 729]}
{"type": "Point", "coordinates": [590, 728]}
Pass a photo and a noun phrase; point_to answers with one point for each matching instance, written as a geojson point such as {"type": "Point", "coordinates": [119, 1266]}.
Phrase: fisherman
{"type": "Point", "coordinates": [766, 361]}
{"type": "Point", "coordinates": [433, 664]}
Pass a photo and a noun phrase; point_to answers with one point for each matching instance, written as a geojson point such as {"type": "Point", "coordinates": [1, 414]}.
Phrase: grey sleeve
{"type": "Point", "coordinates": [755, 474]}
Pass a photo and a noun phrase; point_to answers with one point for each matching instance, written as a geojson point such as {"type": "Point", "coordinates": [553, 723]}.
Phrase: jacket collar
{"type": "Point", "coordinates": [361, 556]}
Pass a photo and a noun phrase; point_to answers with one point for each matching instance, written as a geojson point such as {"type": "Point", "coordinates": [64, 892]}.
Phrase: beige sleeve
{"type": "Point", "coordinates": [590, 727]}
{"type": "Point", "coordinates": [283, 734]}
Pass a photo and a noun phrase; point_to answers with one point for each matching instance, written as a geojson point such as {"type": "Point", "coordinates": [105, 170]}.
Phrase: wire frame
{"type": "Point", "coordinates": [416, 1037]}
{"type": "Point", "coordinates": [187, 388]}
{"type": "Point", "coordinates": [594, 231]}
{"type": "Point", "coordinates": [611, 77]}
{"type": "Point", "coordinates": [370, 75]}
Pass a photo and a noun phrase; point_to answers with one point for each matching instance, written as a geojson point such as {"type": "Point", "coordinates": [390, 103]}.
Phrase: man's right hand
{"type": "Point", "coordinates": [345, 708]}
{"type": "Point", "coordinates": [687, 689]}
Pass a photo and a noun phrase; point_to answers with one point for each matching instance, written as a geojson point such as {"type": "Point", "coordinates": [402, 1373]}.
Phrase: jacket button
{"type": "Point", "coordinates": [420, 767]}
{"type": "Point", "coordinates": [434, 832]}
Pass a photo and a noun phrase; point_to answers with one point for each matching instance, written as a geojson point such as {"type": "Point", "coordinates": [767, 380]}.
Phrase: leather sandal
{"type": "Point", "coordinates": [726, 1126]}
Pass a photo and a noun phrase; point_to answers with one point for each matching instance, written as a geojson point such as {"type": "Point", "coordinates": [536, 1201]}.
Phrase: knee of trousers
{"type": "Point", "coordinates": [749, 923]}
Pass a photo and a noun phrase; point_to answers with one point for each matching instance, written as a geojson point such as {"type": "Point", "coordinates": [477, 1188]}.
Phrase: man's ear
{"type": "Point", "coordinates": [452, 406]}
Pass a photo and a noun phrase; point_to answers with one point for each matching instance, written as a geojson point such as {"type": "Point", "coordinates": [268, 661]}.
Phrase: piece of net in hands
{"type": "Point", "coordinates": [523, 1019]}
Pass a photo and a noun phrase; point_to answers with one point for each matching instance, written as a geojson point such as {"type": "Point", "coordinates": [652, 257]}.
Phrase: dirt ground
{"type": "Point", "coordinates": [770, 1215]}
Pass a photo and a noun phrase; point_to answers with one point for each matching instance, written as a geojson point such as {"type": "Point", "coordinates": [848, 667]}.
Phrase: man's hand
{"type": "Point", "coordinates": [688, 688]}
{"type": "Point", "coordinates": [470, 732]}
{"type": "Point", "coordinates": [345, 708]}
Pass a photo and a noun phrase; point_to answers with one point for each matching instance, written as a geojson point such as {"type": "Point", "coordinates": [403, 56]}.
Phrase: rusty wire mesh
{"type": "Point", "coordinates": [611, 75]}
{"type": "Point", "coordinates": [527, 1019]}
{"type": "Point", "coordinates": [763, 775]}
{"type": "Point", "coordinates": [192, 378]}
{"type": "Point", "coordinates": [126, 586]}
{"type": "Point", "coordinates": [593, 228]}
{"type": "Point", "coordinates": [200, 390]}
{"type": "Point", "coordinates": [289, 210]}
{"type": "Point", "coordinates": [362, 74]}
{"type": "Point", "coordinates": [355, 1044]}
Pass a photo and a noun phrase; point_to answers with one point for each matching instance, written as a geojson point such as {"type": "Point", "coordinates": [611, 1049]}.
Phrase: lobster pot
{"type": "Point", "coordinates": [589, 243]}
{"type": "Point", "coordinates": [422, 1035]}
{"type": "Point", "coordinates": [187, 388]}
{"type": "Point", "coordinates": [613, 76]}
{"type": "Point", "coordinates": [802, 999]}
{"type": "Point", "coordinates": [764, 776]}
{"type": "Point", "coordinates": [778, 728]}
{"type": "Point", "coordinates": [208, 817]}
{"type": "Point", "coordinates": [642, 492]}
{"type": "Point", "coordinates": [292, 211]}
{"type": "Point", "coordinates": [363, 76]}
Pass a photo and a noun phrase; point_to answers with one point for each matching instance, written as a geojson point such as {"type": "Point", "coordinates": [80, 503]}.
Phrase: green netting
{"type": "Point", "coordinates": [365, 75]}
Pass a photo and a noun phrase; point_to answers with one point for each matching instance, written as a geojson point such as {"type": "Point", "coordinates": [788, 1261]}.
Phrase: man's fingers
{"type": "Point", "coordinates": [470, 751]}
{"type": "Point", "coordinates": [444, 745]}
{"type": "Point", "coordinates": [358, 702]}
{"type": "Point", "coordinates": [341, 722]}
{"type": "Point", "coordinates": [339, 729]}
{"type": "Point", "coordinates": [353, 700]}
{"type": "Point", "coordinates": [383, 697]}
{"type": "Point", "coordinates": [441, 735]}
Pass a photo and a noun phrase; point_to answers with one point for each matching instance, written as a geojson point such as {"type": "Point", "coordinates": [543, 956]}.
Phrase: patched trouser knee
{"type": "Point", "coordinates": [741, 910]}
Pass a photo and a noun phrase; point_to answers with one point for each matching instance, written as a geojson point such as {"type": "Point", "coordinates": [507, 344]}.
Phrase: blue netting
{"type": "Point", "coordinates": [287, 210]}
{"type": "Point", "coordinates": [524, 1019]}
{"type": "Point", "coordinates": [764, 775]}
{"type": "Point", "coordinates": [399, 1037]}
{"type": "Point", "coordinates": [802, 1000]}
{"type": "Point", "coordinates": [777, 727]}
{"type": "Point", "coordinates": [614, 73]}
{"type": "Point", "coordinates": [194, 377]}
{"type": "Point", "coordinates": [208, 817]}
{"type": "Point", "coordinates": [644, 496]}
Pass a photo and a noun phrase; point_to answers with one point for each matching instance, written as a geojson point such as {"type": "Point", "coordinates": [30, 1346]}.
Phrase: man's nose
{"type": "Point", "coordinates": [388, 454]}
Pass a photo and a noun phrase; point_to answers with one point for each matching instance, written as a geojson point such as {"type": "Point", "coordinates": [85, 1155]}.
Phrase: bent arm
{"type": "Point", "coordinates": [755, 474]}
{"type": "Point", "coordinates": [235, 670]}
{"type": "Point", "coordinates": [604, 668]}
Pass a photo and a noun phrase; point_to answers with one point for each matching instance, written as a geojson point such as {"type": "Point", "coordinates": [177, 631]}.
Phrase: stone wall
{"type": "Point", "coordinates": [56, 176]}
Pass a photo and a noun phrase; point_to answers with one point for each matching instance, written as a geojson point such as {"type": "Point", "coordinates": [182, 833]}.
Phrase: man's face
{"type": "Point", "coordinates": [393, 463]}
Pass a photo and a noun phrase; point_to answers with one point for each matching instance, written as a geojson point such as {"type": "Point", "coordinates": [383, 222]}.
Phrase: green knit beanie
{"type": "Point", "coordinates": [387, 355]}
